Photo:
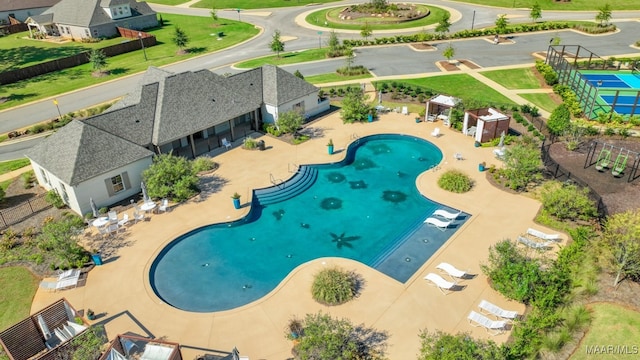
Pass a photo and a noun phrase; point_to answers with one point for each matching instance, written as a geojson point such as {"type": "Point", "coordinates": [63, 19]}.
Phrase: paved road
{"type": "Point", "coordinates": [384, 61]}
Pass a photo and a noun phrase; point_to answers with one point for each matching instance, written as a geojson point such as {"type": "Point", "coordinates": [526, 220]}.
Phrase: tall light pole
{"type": "Point", "coordinates": [319, 39]}
{"type": "Point", "coordinates": [142, 44]}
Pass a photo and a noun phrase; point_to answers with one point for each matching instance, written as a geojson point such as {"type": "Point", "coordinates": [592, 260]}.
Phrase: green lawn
{"type": "Point", "coordinates": [285, 58]}
{"type": "Point", "coordinates": [18, 288]}
{"type": "Point", "coordinates": [8, 166]}
{"type": "Point", "coordinates": [334, 77]}
{"type": "Point", "coordinates": [612, 325]}
{"type": "Point", "coordinates": [561, 5]}
{"type": "Point", "coordinates": [254, 4]}
{"type": "Point", "coordinates": [543, 101]}
{"type": "Point", "coordinates": [522, 78]}
{"type": "Point", "coordinates": [198, 29]}
{"type": "Point", "coordinates": [318, 18]}
{"type": "Point", "coordinates": [460, 85]}
{"type": "Point", "coordinates": [18, 51]}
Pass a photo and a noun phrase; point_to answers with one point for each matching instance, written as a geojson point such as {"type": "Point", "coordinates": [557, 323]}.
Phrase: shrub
{"type": "Point", "coordinates": [170, 177]}
{"type": "Point", "coordinates": [250, 144]}
{"type": "Point", "coordinates": [522, 164]}
{"type": "Point", "coordinates": [560, 120]}
{"type": "Point", "coordinates": [60, 238]}
{"type": "Point", "coordinates": [455, 181]}
{"type": "Point", "coordinates": [27, 179]}
{"type": "Point", "coordinates": [440, 345]}
{"type": "Point", "coordinates": [334, 286]}
{"type": "Point", "coordinates": [54, 199]}
{"type": "Point", "coordinates": [202, 163]}
{"type": "Point", "coordinates": [8, 240]}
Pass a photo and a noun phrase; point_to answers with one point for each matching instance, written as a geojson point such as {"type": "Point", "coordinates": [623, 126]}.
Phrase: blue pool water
{"type": "Point", "coordinates": [366, 209]}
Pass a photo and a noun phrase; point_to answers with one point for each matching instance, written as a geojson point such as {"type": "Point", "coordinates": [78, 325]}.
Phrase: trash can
{"type": "Point", "coordinates": [261, 145]}
{"type": "Point", "coordinates": [220, 34]}
{"type": "Point", "coordinates": [97, 259]}
{"type": "Point", "coordinates": [369, 117]}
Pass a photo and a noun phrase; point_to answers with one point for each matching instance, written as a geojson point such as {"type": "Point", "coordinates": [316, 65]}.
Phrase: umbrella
{"type": "Point", "coordinates": [145, 197]}
{"type": "Point", "coordinates": [43, 327]}
{"type": "Point", "coordinates": [235, 354]}
{"type": "Point", "coordinates": [501, 144]}
{"type": "Point", "coordinates": [94, 208]}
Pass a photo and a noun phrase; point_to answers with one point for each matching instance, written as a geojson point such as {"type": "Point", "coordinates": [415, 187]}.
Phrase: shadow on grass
{"type": "Point", "coordinates": [197, 50]}
{"type": "Point", "coordinates": [119, 71]}
{"type": "Point", "coordinates": [20, 97]}
{"type": "Point", "coordinates": [18, 57]}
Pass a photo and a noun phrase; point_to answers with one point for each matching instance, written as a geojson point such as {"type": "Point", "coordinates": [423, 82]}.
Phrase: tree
{"type": "Point", "coordinates": [567, 201]}
{"type": "Point", "coordinates": [501, 24]}
{"type": "Point", "coordinates": [559, 120]}
{"type": "Point", "coordinates": [439, 345]}
{"type": "Point", "coordinates": [604, 15]}
{"type": "Point", "coordinates": [290, 121]}
{"type": "Point", "coordinates": [214, 15]}
{"type": "Point", "coordinates": [350, 58]}
{"type": "Point", "coordinates": [98, 59]}
{"type": "Point", "coordinates": [522, 164]}
{"type": "Point", "coordinates": [536, 12]}
{"type": "Point", "coordinates": [334, 44]}
{"type": "Point", "coordinates": [298, 74]}
{"type": "Point", "coordinates": [354, 108]}
{"type": "Point", "coordinates": [327, 338]}
{"type": "Point", "coordinates": [449, 52]}
{"type": "Point", "coordinates": [366, 31]}
{"type": "Point", "coordinates": [180, 39]}
{"type": "Point", "coordinates": [621, 244]}
{"type": "Point", "coordinates": [170, 177]}
{"type": "Point", "coordinates": [60, 238]}
{"type": "Point", "coordinates": [276, 44]}
{"type": "Point", "coordinates": [443, 24]}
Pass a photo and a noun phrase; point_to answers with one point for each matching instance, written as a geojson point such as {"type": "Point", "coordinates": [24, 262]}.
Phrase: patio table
{"type": "Point", "coordinates": [100, 222]}
{"type": "Point", "coordinates": [148, 206]}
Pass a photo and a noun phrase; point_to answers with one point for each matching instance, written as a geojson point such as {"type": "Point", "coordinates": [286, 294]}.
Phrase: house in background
{"type": "Point", "coordinates": [187, 114]}
{"type": "Point", "coordinates": [22, 9]}
{"type": "Point", "coordinates": [80, 19]}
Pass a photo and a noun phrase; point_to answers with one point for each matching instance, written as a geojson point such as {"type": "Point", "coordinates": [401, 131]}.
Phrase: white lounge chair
{"type": "Point", "coordinates": [124, 221]}
{"type": "Point", "coordinates": [226, 143]}
{"type": "Point", "coordinates": [164, 205]}
{"type": "Point", "coordinates": [451, 270]}
{"type": "Point", "coordinates": [534, 244]}
{"type": "Point", "coordinates": [441, 225]}
{"type": "Point", "coordinates": [458, 156]}
{"type": "Point", "coordinates": [113, 217]}
{"type": "Point", "coordinates": [543, 236]}
{"type": "Point", "coordinates": [65, 280]}
{"type": "Point", "coordinates": [436, 132]}
{"type": "Point", "coordinates": [442, 284]}
{"type": "Point", "coordinates": [493, 327]}
{"type": "Point", "coordinates": [499, 153]}
{"type": "Point", "coordinates": [497, 311]}
{"type": "Point", "coordinates": [446, 214]}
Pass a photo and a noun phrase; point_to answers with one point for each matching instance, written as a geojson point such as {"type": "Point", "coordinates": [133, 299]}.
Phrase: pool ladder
{"type": "Point", "coordinates": [293, 168]}
{"type": "Point", "coordinates": [355, 137]}
{"type": "Point", "coordinates": [277, 182]}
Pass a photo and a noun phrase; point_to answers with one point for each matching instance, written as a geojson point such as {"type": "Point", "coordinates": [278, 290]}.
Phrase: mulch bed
{"type": "Point", "coordinates": [422, 46]}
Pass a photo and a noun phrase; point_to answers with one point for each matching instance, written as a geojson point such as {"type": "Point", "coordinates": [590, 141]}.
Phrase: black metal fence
{"type": "Point", "coordinates": [556, 171]}
{"type": "Point", "coordinates": [23, 211]}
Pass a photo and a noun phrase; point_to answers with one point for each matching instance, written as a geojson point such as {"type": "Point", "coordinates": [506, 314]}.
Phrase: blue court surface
{"type": "Point", "coordinates": [620, 81]}
{"type": "Point", "coordinates": [624, 104]}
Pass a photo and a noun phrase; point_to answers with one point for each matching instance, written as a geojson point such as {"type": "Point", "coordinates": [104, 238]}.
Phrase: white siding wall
{"type": "Point", "coordinates": [95, 188]}
{"type": "Point", "coordinates": [22, 15]}
{"type": "Point", "coordinates": [311, 107]}
{"type": "Point", "coordinates": [269, 114]}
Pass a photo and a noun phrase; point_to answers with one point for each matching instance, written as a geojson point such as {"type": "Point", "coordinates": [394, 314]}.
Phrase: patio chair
{"type": "Point", "coordinates": [226, 143]}
{"type": "Point", "coordinates": [499, 153]}
{"type": "Point", "coordinates": [64, 280]}
{"type": "Point", "coordinates": [458, 156]}
{"type": "Point", "coordinates": [493, 327]}
{"type": "Point", "coordinates": [439, 224]}
{"type": "Point", "coordinates": [446, 214]}
{"type": "Point", "coordinates": [113, 217]}
{"type": "Point", "coordinates": [138, 216]}
{"type": "Point", "coordinates": [534, 244]}
{"type": "Point", "coordinates": [452, 271]}
{"type": "Point", "coordinates": [164, 205]}
{"type": "Point", "coordinates": [495, 310]}
{"type": "Point", "coordinates": [443, 285]}
{"type": "Point", "coordinates": [112, 228]}
{"type": "Point", "coordinates": [543, 236]}
{"type": "Point", "coordinates": [124, 221]}
{"type": "Point", "coordinates": [436, 132]}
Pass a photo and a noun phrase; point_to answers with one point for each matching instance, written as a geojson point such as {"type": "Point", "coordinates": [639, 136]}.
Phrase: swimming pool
{"type": "Point", "coordinates": [366, 208]}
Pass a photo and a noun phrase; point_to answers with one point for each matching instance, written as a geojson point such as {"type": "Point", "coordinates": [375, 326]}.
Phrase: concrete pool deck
{"type": "Point", "coordinates": [120, 294]}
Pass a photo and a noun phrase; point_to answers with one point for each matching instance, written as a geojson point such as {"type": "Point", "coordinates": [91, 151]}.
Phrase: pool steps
{"type": "Point", "coordinates": [304, 178]}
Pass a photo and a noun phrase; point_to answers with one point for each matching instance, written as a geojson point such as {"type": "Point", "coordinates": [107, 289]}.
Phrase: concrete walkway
{"type": "Point", "coordinates": [15, 173]}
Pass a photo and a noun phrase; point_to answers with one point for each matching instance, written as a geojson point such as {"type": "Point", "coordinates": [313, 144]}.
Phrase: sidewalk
{"type": "Point", "coordinates": [15, 173]}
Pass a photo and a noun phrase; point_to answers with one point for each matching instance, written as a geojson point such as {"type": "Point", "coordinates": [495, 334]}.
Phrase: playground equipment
{"type": "Point", "coordinates": [604, 158]}
{"type": "Point", "coordinates": [620, 164]}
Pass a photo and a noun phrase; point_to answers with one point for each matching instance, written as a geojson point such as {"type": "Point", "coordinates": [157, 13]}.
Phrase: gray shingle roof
{"type": "Point", "coordinates": [44, 19]}
{"type": "Point", "coordinates": [87, 13]}
{"type": "Point", "coordinates": [151, 76]}
{"type": "Point", "coordinates": [79, 152]}
{"type": "Point", "coordinates": [204, 99]}
{"type": "Point", "coordinates": [9, 5]}
{"type": "Point", "coordinates": [280, 86]}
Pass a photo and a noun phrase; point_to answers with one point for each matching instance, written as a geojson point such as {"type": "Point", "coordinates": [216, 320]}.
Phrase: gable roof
{"type": "Point", "coordinates": [280, 86]}
{"type": "Point", "coordinates": [11, 5]}
{"type": "Point", "coordinates": [79, 152]}
{"type": "Point", "coordinates": [87, 13]}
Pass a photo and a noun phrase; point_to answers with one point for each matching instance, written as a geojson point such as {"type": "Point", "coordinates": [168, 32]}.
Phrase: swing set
{"type": "Point", "coordinates": [619, 166]}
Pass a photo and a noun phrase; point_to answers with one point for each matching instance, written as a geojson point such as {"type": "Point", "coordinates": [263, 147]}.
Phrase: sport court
{"type": "Point", "coordinates": [617, 92]}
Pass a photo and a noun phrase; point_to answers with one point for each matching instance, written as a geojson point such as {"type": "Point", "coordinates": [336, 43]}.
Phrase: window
{"type": "Point", "coordinates": [65, 196]}
{"type": "Point", "coordinates": [86, 32]}
{"type": "Point", "coordinates": [299, 107]}
{"type": "Point", "coordinates": [117, 184]}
